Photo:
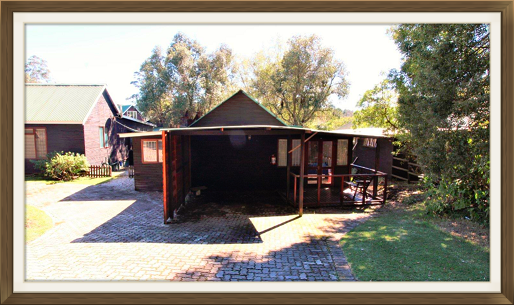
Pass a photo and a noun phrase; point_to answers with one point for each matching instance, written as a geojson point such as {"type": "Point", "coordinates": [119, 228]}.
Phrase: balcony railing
{"type": "Point", "coordinates": [363, 186]}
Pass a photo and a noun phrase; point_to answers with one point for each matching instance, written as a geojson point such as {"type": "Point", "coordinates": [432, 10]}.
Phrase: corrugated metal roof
{"type": "Point", "coordinates": [125, 108]}
{"type": "Point", "coordinates": [52, 103]}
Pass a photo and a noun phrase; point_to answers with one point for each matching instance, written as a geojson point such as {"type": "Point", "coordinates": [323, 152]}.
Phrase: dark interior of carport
{"type": "Point", "coordinates": [238, 159]}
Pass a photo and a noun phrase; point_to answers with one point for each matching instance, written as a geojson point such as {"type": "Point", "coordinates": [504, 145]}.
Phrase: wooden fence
{"type": "Point", "coordinates": [97, 171]}
{"type": "Point", "coordinates": [410, 171]}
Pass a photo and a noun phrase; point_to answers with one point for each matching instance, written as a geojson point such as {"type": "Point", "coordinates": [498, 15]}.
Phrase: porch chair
{"type": "Point", "coordinates": [357, 184]}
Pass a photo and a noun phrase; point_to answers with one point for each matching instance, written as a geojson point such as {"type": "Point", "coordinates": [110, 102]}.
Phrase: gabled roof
{"type": "Point", "coordinates": [231, 99]}
{"type": "Point", "coordinates": [60, 103]}
{"type": "Point", "coordinates": [124, 108]}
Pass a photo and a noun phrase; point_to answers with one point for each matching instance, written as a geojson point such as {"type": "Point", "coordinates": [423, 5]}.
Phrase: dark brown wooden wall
{"type": "Point", "coordinates": [234, 162]}
{"type": "Point", "coordinates": [147, 177]}
{"type": "Point", "coordinates": [238, 110]}
{"type": "Point", "coordinates": [367, 155]}
{"type": "Point", "coordinates": [60, 137]}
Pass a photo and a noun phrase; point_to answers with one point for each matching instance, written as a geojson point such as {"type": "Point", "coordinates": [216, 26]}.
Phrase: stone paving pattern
{"type": "Point", "coordinates": [111, 232]}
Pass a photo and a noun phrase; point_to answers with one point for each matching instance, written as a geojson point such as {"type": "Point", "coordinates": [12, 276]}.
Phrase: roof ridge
{"type": "Point", "coordinates": [247, 95]}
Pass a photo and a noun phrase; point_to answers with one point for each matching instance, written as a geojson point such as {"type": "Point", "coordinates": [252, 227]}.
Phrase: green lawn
{"type": "Point", "coordinates": [399, 245]}
{"type": "Point", "coordinates": [81, 180]}
{"type": "Point", "coordinates": [37, 222]}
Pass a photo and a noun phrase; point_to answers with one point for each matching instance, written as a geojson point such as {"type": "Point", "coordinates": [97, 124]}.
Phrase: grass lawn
{"type": "Point", "coordinates": [36, 223]}
{"type": "Point", "coordinates": [402, 244]}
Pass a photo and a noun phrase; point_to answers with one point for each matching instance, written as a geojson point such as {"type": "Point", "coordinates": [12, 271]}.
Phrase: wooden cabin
{"type": "Point", "coordinates": [76, 118]}
{"type": "Point", "coordinates": [240, 145]}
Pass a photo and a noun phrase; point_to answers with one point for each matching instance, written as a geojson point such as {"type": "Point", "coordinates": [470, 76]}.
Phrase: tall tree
{"type": "Point", "coordinates": [153, 98]}
{"type": "Point", "coordinates": [378, 107]}
{"type": "Point", "coordinates": [36, 70]}
{"type": "Point", "coordinates": [444, 104]}
{"type": "Point", "coordinates": [298, 84]}
{"type": "Point", "coordinates": [184, 79]}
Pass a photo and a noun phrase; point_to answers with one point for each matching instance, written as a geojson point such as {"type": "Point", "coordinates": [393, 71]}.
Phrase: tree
{"type": "Point", "coordinates": [378, 107]}
{"type": "Point", "coordinates": [444, 104]}
{"type": "Point", "coordinates": [153, 98]}
{"type": "Point", "coordinates": [331, 119]}
{"type": "Point", "coordinates": [185, 79]}
{"type": "Point", "coordinates": [36, 70]}
{"type": "Point", "coordinates": [297, 85]}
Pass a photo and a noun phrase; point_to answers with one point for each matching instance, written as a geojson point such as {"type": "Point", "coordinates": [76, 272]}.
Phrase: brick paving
{"type": "Point", "coordinates": [111, 232]}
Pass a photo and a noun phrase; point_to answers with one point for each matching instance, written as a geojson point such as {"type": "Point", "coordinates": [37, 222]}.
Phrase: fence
{"type": "Point", "coordinates": [410, 171]}
{"type": "Point", "coordinates": [97, 171]}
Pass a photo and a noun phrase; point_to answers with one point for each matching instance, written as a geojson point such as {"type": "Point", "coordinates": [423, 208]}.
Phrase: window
{"type": "Point", "coordinates": [370, 142]}
{"type": "Point", "coordinates": [296, 153]}
{"type": "Point", "coordinates": [104, 137]}
{"type": "Point", "coordinates": [151, 151]}
{"type": "Point", "coordinates": [132, 114]}
{"type": "Point", "coordinates": [35, 143]}
{"type": "Point", "coordinates": [342, 152]}
{"type": "Point", "coordinates": [282, 152]}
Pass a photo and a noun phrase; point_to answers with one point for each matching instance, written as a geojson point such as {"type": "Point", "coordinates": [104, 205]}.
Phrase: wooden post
{"type": "Point", "coordinates": [385, 189]}
{"type": "Point", "coordinates": [288, 173]}
{"type": "Point", "coordinates": [377, 164]}
{"type": "Point", "coordinates": [165, 165]}
{"type": "Point", "coordinates": [302, 173]}
{"type": "Point", "coordinates": [295, 190]}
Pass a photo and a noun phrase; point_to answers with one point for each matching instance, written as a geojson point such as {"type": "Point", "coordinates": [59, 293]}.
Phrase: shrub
{"type": "Point", "coordinates": [62, 165]}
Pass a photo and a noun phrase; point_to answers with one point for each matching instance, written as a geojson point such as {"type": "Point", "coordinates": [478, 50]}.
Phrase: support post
{"type": "Point", "coordinates": [165, 164]}
{"type": "Point", "coordinates": [377, 164]}
{"type": "Point", "coordinates": [302, 173]}
{"type": "Point", "coordinates": [288, 174]}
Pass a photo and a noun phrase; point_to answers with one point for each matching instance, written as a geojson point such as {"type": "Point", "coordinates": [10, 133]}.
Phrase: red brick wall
{"type": "Point", "coordinates": [102, 116]}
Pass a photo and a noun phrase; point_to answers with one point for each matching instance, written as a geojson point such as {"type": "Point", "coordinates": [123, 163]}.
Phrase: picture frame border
{"type": "Point", "coordinates": [6, 154]}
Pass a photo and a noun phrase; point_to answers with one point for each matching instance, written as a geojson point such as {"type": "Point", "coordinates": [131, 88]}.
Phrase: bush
{"type": "Point", "coordinates": [62, 166]}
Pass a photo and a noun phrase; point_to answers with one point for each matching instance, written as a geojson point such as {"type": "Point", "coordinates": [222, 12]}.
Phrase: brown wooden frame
{"type": "Point", "coordinates": [35, 143]}
{"type": "Point", "coordinates": [507, 169]}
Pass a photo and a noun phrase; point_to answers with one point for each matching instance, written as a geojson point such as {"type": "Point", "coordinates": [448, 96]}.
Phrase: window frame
{"type": "Point", "coordinates": [278, 152]}
{"type": "Point", "coordinates": [130, 112]}
{"type": "Point", "coordinates": [345, 158]}
{"type": "Point", "coordinates": [35, 142]}
{"type": "Point", "coordinates": [103, 143]}
{"type": "Point", "coordinates": [159, 156]}
{"type": "Point", "coordinates": [298, 151]}
{"type": "Point", "coordinates": [366, 140]}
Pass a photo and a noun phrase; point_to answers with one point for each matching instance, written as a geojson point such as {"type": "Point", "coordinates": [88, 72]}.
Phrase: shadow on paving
{"type": "Point", "coordinates": [309, 260]}
{"type": "Point", "coordinates": [210, 219]}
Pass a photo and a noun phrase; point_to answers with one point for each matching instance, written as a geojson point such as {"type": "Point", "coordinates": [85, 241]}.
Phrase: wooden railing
{"type": "Point", "coordinates": [410, 169]}
{"type": "Point", "coordinates": [378, 194]}
{"type": "Point", "coordinates": [97, 171]}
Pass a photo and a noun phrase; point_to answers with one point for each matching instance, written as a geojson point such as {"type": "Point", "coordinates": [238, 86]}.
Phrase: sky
{"type": "Point", "coordinates": [110, 54]}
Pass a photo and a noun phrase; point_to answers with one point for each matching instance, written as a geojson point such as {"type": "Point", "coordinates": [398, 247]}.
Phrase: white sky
{"type": "Point", "coordinates": [111, 54]}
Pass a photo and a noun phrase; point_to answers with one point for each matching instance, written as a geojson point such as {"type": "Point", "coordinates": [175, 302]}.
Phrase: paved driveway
{"type": "Point", "coordinates": [111, 232]}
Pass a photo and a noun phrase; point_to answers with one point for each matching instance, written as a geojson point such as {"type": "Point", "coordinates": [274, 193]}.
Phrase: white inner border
{"type": "Point", "coordinates": [21, 19]}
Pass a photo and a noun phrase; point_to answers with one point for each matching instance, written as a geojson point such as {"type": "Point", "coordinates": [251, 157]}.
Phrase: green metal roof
{"type": "Point", "coordinates": [251, 98]}
{"type": "Point", "coordinates": [124, 108]}
{"type": "Point", "coordinates": [56, 103]}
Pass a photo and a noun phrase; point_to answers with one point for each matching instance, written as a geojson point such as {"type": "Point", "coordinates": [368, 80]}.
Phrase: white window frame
{"type": "Point", "coordinates": [159, 151]}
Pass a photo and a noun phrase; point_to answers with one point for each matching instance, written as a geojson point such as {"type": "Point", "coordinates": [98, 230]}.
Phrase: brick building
{"type": "Point", "coordinates": [76, 118]}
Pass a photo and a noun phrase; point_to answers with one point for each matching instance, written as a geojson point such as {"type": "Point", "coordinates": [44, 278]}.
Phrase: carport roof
{"type": "Point", "coordinates": [292, 129]}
